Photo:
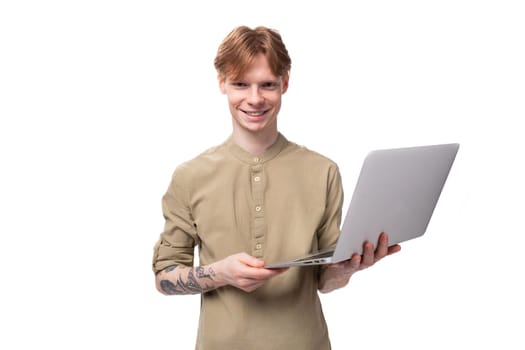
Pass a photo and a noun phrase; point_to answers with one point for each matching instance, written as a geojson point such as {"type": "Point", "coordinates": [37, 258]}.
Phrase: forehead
{"type": "Point", "coordinates": [258, 69]}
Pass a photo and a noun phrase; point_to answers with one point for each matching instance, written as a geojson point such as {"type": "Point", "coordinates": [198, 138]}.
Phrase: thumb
{"type": "Point", "coordinates": [250, 260]}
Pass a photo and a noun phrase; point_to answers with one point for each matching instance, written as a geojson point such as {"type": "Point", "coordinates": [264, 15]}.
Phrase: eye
{"type": "Point", "coordinates": [239, 84]}
{"type": "Point", "coordinates": [269, 85]}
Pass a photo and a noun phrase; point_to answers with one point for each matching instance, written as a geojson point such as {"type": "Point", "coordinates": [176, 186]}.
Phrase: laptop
{"type": "Point", "coordinates": [396, 193]}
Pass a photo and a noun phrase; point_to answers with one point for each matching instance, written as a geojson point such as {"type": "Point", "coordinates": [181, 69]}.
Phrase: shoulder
{"type": "Point", "coordinates": [303, 154]}
{"type": "Point", "coordinates": [203, 163]}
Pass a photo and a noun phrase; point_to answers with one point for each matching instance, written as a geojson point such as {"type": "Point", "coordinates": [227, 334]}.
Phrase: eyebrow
{"type": "Point", "coordinates": [240, 80]}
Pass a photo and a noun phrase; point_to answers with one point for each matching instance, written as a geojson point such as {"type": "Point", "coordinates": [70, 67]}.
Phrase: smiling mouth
{"type": "Point", "coordinates": [254, 113]}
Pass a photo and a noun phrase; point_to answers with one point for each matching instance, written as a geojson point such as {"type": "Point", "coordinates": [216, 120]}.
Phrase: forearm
{"type": "Point", "coordinates": [181, 280]}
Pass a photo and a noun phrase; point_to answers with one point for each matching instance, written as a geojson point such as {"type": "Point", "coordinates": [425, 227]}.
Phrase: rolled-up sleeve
{"type": "Point", "coordinates": [177, 242]}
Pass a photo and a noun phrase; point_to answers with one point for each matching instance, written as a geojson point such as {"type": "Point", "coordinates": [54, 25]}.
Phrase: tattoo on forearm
{"type": "Point", "coordinates": [193, 284]}
{"type": "Point", "coordinates": [202, 274]}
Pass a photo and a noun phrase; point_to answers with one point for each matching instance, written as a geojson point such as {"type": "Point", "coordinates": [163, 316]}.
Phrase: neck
{"type": "Point", "coordinates": [254, 143]}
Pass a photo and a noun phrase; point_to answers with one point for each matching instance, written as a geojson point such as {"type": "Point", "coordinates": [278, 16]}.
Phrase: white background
{"type": "Point", "coordinates": [100, 100]}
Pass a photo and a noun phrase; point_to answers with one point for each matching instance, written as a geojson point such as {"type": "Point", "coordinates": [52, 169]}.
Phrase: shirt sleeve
{"type": "Point", "coordinates": [177, 242]}
{"type": "Point", "coordinates": [330, 226]}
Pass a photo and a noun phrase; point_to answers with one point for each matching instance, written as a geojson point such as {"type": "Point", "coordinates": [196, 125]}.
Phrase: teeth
{"type": "Point", "coordinates": [255, 113]}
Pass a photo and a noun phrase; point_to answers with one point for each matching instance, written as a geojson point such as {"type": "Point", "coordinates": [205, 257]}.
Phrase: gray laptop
{"type": "Point", "coordinates": [396, 192]}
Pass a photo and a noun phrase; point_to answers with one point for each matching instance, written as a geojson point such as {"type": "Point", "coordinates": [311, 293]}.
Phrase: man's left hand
{"type": "Point", "coordinates": [334, 276]}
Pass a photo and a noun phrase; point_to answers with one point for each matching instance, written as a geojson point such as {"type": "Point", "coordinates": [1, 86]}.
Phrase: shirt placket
{"type": "Point", "coordinates": [259, 222]}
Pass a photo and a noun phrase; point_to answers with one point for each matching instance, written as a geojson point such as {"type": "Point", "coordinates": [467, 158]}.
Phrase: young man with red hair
{"type": "Point", "coordinates": [255, 198]}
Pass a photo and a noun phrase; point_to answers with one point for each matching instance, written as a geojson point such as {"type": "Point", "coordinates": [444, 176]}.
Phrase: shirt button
{"type": "Point", "coordinates": [258, 246]}
{"type": "Point", "coordinates": [256, 159]}
{"type": "Point", "coordinates": [257, 179]}
{"type": "Point", "coordinates": [258, 208]}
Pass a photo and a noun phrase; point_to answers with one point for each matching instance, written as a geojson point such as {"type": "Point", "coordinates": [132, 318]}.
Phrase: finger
{"type": "Point", "coordinates": [264, 274]}
{"type": "Point", "coordinates": [257, 277]}
{"type": "Point", "coordinates": [394, 249]}
{"type": "Point", "coordinates": [260, 274]}
{"type": "Point", "coordinates": [249, 285]}
{"type": "Point", "coordinates": [382, 247]}
{"type": "Point", "coordinates": [280, 270]}
{"type": "Point", "coordinates": [340, 265]}
{"type": "Point", "coordinates": [250, 260]}
{"type": "Point", "coordinates": [368, 255]}
{"type": "Point", "coordinates": [354, 263]}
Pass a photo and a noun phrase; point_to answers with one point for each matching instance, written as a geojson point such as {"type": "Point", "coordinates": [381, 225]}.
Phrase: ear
{"type": "Point", "coordinates": [222, 83]}
{"type": "Point", "coordinates": [285, 82]}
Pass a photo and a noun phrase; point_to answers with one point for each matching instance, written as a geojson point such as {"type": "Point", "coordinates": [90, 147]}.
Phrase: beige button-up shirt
{"type": "Point", "coordinates": [282, 204]}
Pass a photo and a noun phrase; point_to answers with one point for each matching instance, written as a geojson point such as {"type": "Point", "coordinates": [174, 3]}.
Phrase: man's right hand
{"type": "Point", "coordinates": [244, 272]}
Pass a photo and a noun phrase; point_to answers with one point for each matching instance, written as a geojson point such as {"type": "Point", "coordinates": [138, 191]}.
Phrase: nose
{"type": "Point", "coordinates": [255, 97]}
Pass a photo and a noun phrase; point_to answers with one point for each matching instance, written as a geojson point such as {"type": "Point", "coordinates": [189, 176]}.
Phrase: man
{"type": "Point", "coordinates": [255, 198]}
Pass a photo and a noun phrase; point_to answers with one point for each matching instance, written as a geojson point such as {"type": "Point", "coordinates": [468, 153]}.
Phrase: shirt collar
{"type": "Point", "coordinates": [249, 158]}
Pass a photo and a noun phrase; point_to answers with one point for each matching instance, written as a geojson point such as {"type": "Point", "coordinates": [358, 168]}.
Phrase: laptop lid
{"type": "Point", "coordinates": [396, 192]}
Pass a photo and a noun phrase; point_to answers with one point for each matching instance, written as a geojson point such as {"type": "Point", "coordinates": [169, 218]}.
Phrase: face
{"type": "Point", "coordinates": [255, 99]}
